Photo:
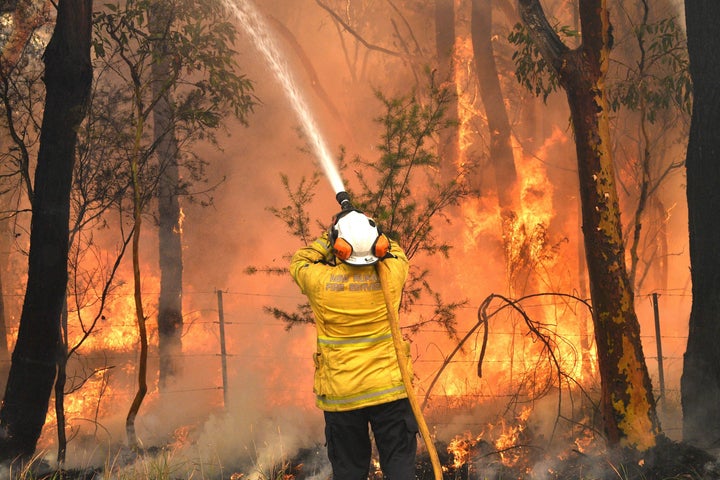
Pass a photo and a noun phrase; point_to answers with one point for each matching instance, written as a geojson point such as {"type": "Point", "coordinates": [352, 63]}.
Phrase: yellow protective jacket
{"type": "Point", "coordinates": [355, 362]}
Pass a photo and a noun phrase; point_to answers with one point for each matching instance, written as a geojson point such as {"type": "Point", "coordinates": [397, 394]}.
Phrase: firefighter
{"type": "Point", "coordinates": [357, 382]}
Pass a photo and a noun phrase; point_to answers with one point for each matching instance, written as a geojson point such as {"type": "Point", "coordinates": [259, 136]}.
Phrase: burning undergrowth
{"type": "Point", "coordinates": [667, 461]}
{"type": "Point", "coordinates": [462, 458]}
{"type": "Point", "coordinates": [515, 446]}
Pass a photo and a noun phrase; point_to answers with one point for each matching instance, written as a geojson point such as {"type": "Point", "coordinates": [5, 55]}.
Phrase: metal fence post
{"type": "Point", "coordinates": [223, 352]}
{"type": "Point", "coordinates": [658, 342]}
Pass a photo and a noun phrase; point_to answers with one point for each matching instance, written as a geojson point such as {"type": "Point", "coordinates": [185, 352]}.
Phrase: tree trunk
{"type": "Point", "coordinates": [501, 152]}
{"type": "Point", "coordinates": [137, 285]}
{"type": "Point", "coordinates": [140, 317]}
{"type": "Point", "coordinates": [627, 403]}
{"type": "Point", "coordinates": [138, 203]}
{"type": "Point", "coordinates": [4, 352]}
{"type": "Point", "coordinates": [170, 320]}
{"type": "Point", "coordinates": [68, 76]}
{"type": "Point", "coordinates": [448, 148]}
{"type": "Point", "coordinates": [62, 358]}
{"type": "Point", "coordinates": [700, 383]}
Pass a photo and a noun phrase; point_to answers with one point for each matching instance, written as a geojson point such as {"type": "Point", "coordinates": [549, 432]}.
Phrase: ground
{"type": "Point", "coordinates": [669, 460]}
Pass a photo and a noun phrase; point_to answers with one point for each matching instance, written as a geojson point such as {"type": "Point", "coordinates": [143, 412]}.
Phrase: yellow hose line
{"type": "Point", "coordinates": [383, 271]}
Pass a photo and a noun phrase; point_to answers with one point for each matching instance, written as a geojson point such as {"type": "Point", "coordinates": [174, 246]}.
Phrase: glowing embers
{"type": "Point", "coordinates": [500, 447]}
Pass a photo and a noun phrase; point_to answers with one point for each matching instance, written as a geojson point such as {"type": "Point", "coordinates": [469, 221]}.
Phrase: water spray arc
{"type": "Point", "coordinates": [253, 23]}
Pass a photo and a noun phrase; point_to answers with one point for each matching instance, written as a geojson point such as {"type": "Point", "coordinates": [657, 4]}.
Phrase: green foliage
{"type": "Point", "coordinates": [295, 216]}
{"type": "Point", "coordinates": [193, 41]}
{"type": "Point", "coordinates": [661, 81]}
{"type": "Point", "coordinates": [401, 190]}
{"type": "Point", "coordinates": [531, 69]}
{"type": "Point", "coordinates": [196, 39]}
{"type": "Point", "coordinates": [663, 84]}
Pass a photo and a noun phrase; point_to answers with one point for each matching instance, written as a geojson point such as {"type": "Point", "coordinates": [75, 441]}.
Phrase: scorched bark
{"type": "Point", "coordinates": [68, 76]}
{"type": "Point", "coordinates": [700, 383]}
{"type": "Point", "coordinates": [627, 403]}
{"type": "Point", "coordinates": [170, 320]}
{"type": "Point", "coordinates": [501, 153]}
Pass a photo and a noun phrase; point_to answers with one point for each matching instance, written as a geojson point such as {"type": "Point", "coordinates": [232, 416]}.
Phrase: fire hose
{"type": "Point", "coordinates": [343, 198]}
{"type": "Point", "coordinates": [383, 272]}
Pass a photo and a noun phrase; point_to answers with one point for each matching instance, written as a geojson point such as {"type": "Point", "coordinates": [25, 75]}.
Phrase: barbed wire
{"type": "Point", "coordinates": [670, 292]}
{"type": "Point", "coordinates": [199, 319]}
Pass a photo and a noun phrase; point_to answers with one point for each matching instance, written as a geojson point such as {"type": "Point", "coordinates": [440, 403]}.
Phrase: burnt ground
{"type": "Point", "coordinates": [669, 460]}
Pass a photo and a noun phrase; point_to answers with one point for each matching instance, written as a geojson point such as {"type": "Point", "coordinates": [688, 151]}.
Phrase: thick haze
{"type": "Point", "coordinates": [270, 396]}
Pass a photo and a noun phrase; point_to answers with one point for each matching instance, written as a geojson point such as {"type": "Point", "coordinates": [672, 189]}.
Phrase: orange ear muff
{"type": "Point", "coordinates": [342, 249]}
{"type": "Point", "coordinates": [381, 246]}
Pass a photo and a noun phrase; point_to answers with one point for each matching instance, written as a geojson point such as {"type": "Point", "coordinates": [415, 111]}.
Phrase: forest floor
{"type": "Point", "coordinates": [669, 460]}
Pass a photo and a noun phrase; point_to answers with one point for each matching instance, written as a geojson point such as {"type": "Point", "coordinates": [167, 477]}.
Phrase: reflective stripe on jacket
{"type": "Point", "coordinates": [355, 363]}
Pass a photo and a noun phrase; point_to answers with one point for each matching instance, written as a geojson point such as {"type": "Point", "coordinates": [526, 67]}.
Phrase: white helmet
{"type": "Point", "coordinates": [356, 239]}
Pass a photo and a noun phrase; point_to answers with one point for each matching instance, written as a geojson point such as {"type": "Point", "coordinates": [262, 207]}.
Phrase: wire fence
{"type": "Point", "coordinates": [231, 345]}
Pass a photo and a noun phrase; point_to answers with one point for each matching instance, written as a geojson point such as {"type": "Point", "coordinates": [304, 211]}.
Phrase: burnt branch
{"type": "Point", "coordinates": [537, 329]}
{"type": "Point", "coordinates": [355, 34]}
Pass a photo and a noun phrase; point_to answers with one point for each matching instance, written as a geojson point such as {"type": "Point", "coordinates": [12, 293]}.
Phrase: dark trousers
{"type": "Point", "coordinates": [348, 441]}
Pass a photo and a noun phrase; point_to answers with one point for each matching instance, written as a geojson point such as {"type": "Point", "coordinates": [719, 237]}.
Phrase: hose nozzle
{"type": "Point", "coordinates": [344, 200]}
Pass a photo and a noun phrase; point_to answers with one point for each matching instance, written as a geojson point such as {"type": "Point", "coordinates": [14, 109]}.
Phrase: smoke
{"type": "Point", "coordinates": [261, 36]}
{"type": "Point", "coordinates": [270, 417]}
{"type": "Point", "coordinates": [254, 441]}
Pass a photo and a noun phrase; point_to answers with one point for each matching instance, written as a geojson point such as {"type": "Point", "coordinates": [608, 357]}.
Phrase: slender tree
{"type": "Point", "coordinates": [627, 402]}
{"type": "Point", "coordinates": [170, 319]}
{"type": "Point", "coordinates": [176, 66]}
{"type": "Point", "coordinates": [448, 142]}
{"type": "Point", "coordinates": [651, 95]}
{"type": "Point", "coordinates": [700, 383]}
{"type": "Point", "coordinates": [68, 78]}
{"type": "Point", "coordinates": [27, 17]}
{"type": "Point", "coordinates": [501, 153]}
{"type": "Point", "coordinates": [400, 191]}
{"type": "Point", "coordinates": [489, 82]}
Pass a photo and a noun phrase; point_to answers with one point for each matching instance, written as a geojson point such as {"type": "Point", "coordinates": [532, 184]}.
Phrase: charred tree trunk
{"type": "Point", "coordinates": [68, 76]}
{"type": "Point", "coordinates": [700, 383]}
{"type": "Point", "coordinates": [170, 319]}
{"type": "Point", "coordinates": [627, 403]}
{"type": "Point", "coordinates": [26, 18]}
{"type": "Point", "coordinates": [448, 147]}
{"type": "Point", "coordinates": [501, 152]}
{"type": "Point", "coordinates": [4, 352]}
{"type": "Point", "coordinates": [62, 358]}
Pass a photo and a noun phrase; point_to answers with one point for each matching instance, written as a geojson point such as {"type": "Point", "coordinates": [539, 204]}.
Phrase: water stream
{"type": "Point", "coordinates": [253, 23]}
